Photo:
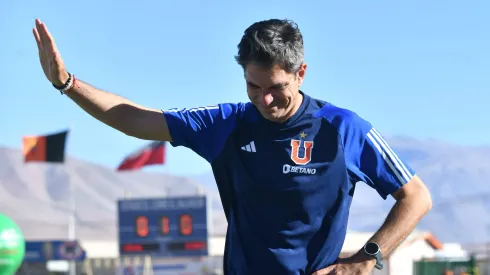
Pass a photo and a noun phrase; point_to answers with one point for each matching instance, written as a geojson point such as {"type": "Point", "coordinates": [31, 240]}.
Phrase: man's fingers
{"type": "Point", "coordinates": [38, 39]}
{"type": "Point", "coordinates": [46, 38]}
{"type": "Point", "coordinates": [39, 32]}
{"type": "Point", "coordinates": [325, 271]}
{"type": "Point", "coordinates": [49, 39]}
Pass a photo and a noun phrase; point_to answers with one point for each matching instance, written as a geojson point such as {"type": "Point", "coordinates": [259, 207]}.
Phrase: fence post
{"type": "Point", "coordinates": [473, 265]}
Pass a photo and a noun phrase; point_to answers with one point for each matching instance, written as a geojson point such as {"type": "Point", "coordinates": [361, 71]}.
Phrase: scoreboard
{"type": "Point", "coordinates": [163, 227]}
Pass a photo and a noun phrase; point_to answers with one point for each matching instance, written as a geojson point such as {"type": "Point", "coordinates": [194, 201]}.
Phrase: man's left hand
{"type": "Point", "coordinates": [354, 265]}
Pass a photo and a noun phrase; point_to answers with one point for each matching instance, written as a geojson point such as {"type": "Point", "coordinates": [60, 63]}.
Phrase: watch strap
{"type": "Point", "coordinates": [378, 257]}
{"type": "Point", "coordinates": [379, 262]}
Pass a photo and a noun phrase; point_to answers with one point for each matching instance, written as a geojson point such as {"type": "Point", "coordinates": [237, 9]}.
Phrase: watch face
{"type": "Point", "coordinates": [372, 248]}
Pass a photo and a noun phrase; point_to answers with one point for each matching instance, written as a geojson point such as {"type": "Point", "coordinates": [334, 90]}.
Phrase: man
{"type": "Point", "coordinates": [286, 164]}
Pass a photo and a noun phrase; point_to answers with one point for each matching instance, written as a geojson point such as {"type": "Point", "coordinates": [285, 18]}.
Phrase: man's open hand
{"type": "Point", "coordinates": [51, 61]}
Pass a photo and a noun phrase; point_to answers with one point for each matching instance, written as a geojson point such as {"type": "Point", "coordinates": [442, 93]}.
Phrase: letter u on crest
{"type": "Point", "coordinates": [306, 158]}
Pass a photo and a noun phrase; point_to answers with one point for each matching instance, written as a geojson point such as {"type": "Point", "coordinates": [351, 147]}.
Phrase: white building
{"type": "Point", "coordinates": [417, 246]}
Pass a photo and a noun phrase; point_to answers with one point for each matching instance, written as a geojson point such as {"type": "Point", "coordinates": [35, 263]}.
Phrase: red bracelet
{"type": "Point", "coordinates": [73, 84]}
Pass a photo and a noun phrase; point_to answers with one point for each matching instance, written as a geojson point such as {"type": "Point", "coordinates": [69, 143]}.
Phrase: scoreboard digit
{"type": "Point", "coordinates": [185, 225]}
{"type": "Point", "coordinates": [141, 226]}
{"type": "Point", "coordinates": [163, 227]}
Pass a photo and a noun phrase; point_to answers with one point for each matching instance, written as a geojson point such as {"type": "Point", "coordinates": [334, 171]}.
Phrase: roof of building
{"type": "Point", "coordinates": [355, 240]}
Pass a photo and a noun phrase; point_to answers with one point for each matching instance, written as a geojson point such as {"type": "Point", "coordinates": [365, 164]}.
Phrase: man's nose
{"type": "Point", "coordinates": [266, 99]}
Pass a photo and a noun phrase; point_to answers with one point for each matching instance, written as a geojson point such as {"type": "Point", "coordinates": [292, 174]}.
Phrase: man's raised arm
{"type": "Point", "coordinates": [113, 110]}
{"type": "Point", "coordinates": [120, 113]}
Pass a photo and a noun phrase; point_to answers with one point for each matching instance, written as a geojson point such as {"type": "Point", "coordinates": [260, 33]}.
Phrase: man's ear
{"type": "Point", "coordinates": [301, 74]}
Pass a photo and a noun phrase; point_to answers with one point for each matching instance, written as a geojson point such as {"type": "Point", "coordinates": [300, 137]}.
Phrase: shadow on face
{"type": "Point", "coordinates": [274, 91]}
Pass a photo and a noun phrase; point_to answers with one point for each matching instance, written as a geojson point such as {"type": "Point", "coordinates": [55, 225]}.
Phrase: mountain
{"type": "Point", "coordinates": [456, 175]}
{"type": "Point", "coordinates": [37, 195]}
{"type": "Point", "coordinates": [457, 178]}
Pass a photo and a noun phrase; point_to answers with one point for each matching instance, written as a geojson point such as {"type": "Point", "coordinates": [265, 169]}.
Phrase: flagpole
{"type": "Point", "coordinates": [29, 145]}
{"type": "Point", "coordinates": [72, 215]}
{"type": "Point", "coordinates": [72, 224]}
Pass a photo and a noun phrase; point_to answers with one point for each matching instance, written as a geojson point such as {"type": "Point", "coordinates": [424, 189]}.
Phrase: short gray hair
{"type": "Point", "coordinates": [272, 42]}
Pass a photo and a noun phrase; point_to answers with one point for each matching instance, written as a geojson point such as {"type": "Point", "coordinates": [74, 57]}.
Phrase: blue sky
{"type": "Point", "coordinates": [413, 68]}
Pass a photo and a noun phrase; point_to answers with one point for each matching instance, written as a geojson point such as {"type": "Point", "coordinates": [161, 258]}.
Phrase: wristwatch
{"type": "Point", "coordinates": [372, 250]}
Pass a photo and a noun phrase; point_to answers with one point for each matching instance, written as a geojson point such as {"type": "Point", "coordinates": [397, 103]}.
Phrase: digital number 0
{"type": "Point", "coordinates": [142, 226]}
{"type": "Point", "coordinates": [185, 225]}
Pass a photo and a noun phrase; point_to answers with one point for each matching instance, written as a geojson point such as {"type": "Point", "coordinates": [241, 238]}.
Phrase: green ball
{"type": "Point", "coordinates": [12, 246]}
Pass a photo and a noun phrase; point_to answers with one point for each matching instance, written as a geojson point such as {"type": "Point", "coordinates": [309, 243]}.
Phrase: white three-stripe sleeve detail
{"type": "Point", "coordinates": [382, 153]}
{"type": "Point", "coordinates": [173, 110]}
{"type": "Point", "coordinates": [398, 163]}
{"type": "Point", "coordinates": [397, 159]}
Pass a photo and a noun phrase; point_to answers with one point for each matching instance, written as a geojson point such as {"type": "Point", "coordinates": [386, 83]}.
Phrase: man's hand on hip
{"type": "Point", "coordinates": [354, 265]}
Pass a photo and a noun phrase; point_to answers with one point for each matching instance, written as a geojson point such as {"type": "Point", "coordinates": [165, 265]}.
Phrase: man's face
{"type": "Point", "coordinates": [273, 91]}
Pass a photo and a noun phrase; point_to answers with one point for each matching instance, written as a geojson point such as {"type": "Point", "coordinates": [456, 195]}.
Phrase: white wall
{"type": "Point", "coordinates": [110, 249]}
{"type": "Point", "coordinates": [100, 249]}
{"type": "Point", "coordinates": [216, 246]}
{"type": "Point", "coordinates": [401, 261]}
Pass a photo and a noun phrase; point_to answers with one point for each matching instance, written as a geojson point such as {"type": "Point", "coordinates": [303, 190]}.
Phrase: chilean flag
{"type": "Point", "coordinates": [153, 153]}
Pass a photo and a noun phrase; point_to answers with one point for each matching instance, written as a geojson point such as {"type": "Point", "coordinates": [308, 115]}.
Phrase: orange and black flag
{"type": "Point", "coordinates": [45, 148]}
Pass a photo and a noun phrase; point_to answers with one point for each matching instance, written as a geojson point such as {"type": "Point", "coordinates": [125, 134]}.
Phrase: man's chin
{"type": "Point", "coordinates": [272, 115]}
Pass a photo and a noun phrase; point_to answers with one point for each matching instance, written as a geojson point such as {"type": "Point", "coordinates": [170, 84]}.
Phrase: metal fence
{"type": "Point", "coordinates": [481, 253]}
{"type": "Point", "coordinates": [133, 266]}
{"type": "Point", "coordinates": [213, 266]}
